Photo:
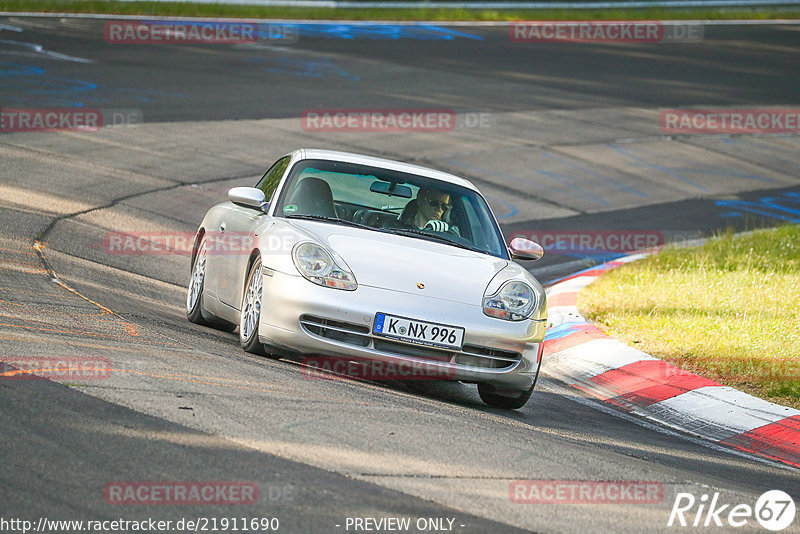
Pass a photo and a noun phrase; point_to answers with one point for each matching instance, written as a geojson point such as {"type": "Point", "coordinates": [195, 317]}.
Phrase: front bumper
{"type": "Point", "coordinates": [310, 319]}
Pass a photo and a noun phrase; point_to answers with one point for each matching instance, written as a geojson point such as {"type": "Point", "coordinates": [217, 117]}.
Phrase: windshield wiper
{"type": "Point", "coordinates": [335, 220]}
{"type": "Point", "coordinates": [408, 232]}
{"type": "Point", "coordinates": [433, 237]}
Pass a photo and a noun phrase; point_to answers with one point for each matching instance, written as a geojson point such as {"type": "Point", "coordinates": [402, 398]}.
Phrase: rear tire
{"type": "Point", "coordinates": [194, 296]}
{"type": "Point", "coordinates": [251, 310]}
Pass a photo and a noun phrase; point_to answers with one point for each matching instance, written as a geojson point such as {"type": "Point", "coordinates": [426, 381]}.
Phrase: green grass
{"type": "Point", "coordinates": [186, 9]}
{"type": "Point", "coordinates": [729, 310]}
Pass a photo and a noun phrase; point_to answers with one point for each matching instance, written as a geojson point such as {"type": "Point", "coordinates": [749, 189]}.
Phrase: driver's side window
{"type": "Point", "coordinates": [269, 182]}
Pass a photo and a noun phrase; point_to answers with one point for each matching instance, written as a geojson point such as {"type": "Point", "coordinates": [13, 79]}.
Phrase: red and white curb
{"type": "Point", "coordinates": [580, 354]}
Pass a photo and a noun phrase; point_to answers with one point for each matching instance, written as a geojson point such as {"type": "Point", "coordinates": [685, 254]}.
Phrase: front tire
{"type": "Point", "coordinates": [251, 310]}
{"type": "Point", "coordinates": [493, 397]}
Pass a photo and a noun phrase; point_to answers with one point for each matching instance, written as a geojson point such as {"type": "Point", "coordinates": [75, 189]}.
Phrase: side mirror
{"type": "Point", "coordinates": [525, 249]}
{"type": "Point", "coordinates": [249, 197]}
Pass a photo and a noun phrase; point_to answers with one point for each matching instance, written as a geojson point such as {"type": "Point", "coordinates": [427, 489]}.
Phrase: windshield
{"type": "Point", "coordinates": [393, 202]}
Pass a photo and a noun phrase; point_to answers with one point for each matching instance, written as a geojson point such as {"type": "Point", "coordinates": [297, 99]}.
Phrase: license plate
{"type": "Point", "coordinates": [419, 332]}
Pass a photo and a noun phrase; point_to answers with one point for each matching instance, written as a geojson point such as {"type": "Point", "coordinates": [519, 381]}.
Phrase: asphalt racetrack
{"type": "Point", "coordinates": [561, 138]}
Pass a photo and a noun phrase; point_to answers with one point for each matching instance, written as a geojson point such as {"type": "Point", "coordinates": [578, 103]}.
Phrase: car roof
{"type": "Point", "coordinates": [316, 153]}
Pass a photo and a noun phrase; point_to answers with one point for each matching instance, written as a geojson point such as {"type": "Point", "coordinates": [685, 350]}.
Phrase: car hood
{"type": "Point", "coordinates": [400, 263]}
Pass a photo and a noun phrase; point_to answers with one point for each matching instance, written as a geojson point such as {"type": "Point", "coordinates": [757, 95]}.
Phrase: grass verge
{"type": "Point", "coordinates": [729, 310]}
{"type": "Point", "coordinates": [188, 9]}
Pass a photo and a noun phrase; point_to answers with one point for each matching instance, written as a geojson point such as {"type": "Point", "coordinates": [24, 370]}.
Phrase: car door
{"type": "Point", "coordinates": [237, 234]}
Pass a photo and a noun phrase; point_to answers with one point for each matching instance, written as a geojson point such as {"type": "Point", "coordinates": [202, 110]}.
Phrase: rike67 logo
{"type": "Point", "coordinates": [774, 510]}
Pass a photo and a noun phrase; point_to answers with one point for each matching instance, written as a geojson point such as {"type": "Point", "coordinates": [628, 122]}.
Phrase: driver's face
{"type": "Point", "coordinates": [434, 205]}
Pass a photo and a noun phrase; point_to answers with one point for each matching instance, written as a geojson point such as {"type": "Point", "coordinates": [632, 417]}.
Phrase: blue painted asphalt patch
{"type": "Point", "coordinates": [420, 32]}
{"type": "Point", "coordinates": [766, 206]}
{"type": "Point", "coordinates": [340, 30]}
{"type": "Point", "coordinates": [563, 330]}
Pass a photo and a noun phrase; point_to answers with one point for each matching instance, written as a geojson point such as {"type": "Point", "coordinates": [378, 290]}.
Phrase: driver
{"type": "Point", "coordinates": [427, 211]}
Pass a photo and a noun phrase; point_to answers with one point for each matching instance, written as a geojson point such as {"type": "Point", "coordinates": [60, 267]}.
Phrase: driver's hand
{"type": "Point", "coordinates": [436, 225]}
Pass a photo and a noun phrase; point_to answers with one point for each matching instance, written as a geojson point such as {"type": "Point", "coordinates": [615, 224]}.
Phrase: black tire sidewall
{"type": "Point", "coordinates": [487, 394]}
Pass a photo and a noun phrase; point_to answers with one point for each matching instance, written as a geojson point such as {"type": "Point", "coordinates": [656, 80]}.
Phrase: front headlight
{"type": "Point", "coordinates": [514, 302]}
{"type": "Point", "coordinates": [317, 265]}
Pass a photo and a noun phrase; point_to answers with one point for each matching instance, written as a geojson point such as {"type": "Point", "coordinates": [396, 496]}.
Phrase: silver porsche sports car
{"type": "Point", "coordinates": [363, 259]}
